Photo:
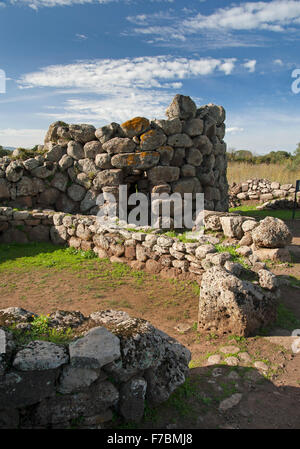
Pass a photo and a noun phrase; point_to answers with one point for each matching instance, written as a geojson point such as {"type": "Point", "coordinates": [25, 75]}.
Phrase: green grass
{"type": "Point", "coordinates": [251, 211]}
{"type": "Point", "coordinates": [41, 330]}
{"type": "Point", "coordinates": [237, 258]}
{"type": "Point", "coordinates": [23, 256]}
{"type": "Point", "coordinates": [286, 318]}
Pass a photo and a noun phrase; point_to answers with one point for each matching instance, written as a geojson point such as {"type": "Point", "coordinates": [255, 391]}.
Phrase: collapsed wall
{"type": "Point", "coordinates": [184, 154]}
{"type": "Point", "coordinates": [112, 363]}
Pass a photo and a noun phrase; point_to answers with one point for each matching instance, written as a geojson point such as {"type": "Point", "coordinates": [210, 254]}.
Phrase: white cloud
{"type": "Point", "coordinates": [275, 15]}
{"type": "Point", "coordinates": [223, 27]}
{"type": "Point", "coordinates": [36, 4]}
{"type": "Point", "coordinates": [250, 65]}
{"type": "Point", "coordinates": [21, 137]}
{"type": "Point", "coordinates": [234, 130]}
{"type": "Point", "coordinates": [102, 76]}
{"type": "Point", "coordinates": [121, 88]}
{"type": "Point", "coordinates": [81, 37]}
{"type": "Point", "coordinates": [278, 62]}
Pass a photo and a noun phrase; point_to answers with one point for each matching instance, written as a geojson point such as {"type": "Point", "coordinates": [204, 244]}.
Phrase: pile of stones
{"type": "Point", "coordinates": [272, 194]}
{"type": "Point", "coordinates": [112, 364]}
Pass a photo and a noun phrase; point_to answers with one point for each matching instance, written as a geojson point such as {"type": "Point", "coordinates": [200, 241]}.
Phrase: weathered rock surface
{"type": "Point", "coordinates": [230, 305]}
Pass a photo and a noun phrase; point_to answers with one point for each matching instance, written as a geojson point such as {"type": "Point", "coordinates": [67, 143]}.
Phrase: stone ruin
{"type": "Point", "coordinates": [271, 195]}
{"type": "Point", "coordinates": [112, 364]}
{"type": "Point", "coordinates": [185, 154]}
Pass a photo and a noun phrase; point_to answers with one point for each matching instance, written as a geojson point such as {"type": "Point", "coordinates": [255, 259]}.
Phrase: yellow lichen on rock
{"type": "Point", "coordinates": [147, 135]}
{"type": "Point", "coordinates": [135, 126]}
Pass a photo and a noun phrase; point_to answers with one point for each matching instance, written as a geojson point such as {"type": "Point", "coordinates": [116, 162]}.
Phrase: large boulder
{"type": "Point", "coordinates": [229, 305]}
{"type": "Point", "coordinates": [271, 233]}
{"type": "Point", "coordinates": [182, 107]}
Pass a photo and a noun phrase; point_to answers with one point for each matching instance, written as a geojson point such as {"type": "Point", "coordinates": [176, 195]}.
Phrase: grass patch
{"type": "Point", "coordinates": [251, 211]}
{"type": "Point", "coordinates": [41, 330]}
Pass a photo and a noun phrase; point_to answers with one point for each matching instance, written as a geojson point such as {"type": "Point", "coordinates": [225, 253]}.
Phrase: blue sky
{"type": "Point", "coordinates": [97, 61]}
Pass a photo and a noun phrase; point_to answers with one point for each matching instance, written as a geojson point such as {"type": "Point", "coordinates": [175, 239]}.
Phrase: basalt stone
{"type": "Point", "coordinates": [108, 178]}
{"type": "Point", "coordinates": [14, 171]}
{"type": "Point", "coordinates": [91, 149]}
{"type": "Point", "coordinates": [108, 132]}
{"type": "Point", "coordinates": [75, 150]}
{"type": "Point", "coordinates": [163, 174]}
{"type": "Point", "coordinates": [152, 139]}
{"type": "Point", "coordinates": [203, 144]}
{"type": "Point", "coordinates": [180, 140]}
{"type": "Point", "coordinates": [169, 127]}
{"type": "Point", "coordinates": [82, 133]}
{"type": "Point", "coordinates": [119, 145]}
{"type": "Point", "coordinates": [166, 154]}
{"type": "Point", "coordinates": [96, 349]}
{"type": "Point", "coordinates": [65, 162]}
{"type": "Point", "coordinates": [143, 160]}
{"type": "Point", "coordinates": [182, 107]}
{"type": "Point", "coordinates": [54, 152]}
{"type": "Point", "coordinates": [45, 171]}
{"type": "Point", "coordinates": [76, 192]}
{"type": "Point", "coordinates": [193, 127]}
{"type": "Point", "coordinates": [60, 181]}
{"type": "Point", "coordinates": [230, 305]}
{"type": "Point", "coordinates": [194, 157]}
{"type": "Point", "coordinates": [135, 126]}
{"type": "Point", "coordinates": [103, 161]}
{"type": "Point", "coordinates": [40, 356]}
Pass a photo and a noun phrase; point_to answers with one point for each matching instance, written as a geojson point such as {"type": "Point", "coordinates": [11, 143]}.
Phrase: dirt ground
{"type": "Point", "coordinates": [234, 382]}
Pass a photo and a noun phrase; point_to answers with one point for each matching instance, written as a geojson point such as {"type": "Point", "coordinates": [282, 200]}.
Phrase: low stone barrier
{"type": "Point", "coordinates": [273, 194]}
{"type": "Point", "coordinates": [112, 363]}
{"type": "Point", "coordinates": [250, 243]}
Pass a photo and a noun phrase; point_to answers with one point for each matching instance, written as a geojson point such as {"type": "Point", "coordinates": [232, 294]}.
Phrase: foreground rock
{"type": "Point", "coordinates": [271, 233]}
{"type": "Point", "coordinates": [229, 305]}
{"type": "Point", "coordinates": [112, 361]}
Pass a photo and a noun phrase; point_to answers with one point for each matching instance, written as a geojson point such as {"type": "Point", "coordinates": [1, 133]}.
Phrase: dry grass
{"type": "Point", "coordinates": [240, 171]}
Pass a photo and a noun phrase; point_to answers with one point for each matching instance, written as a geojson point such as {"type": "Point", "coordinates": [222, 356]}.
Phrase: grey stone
{"type": "Point", "coordinates": [119, 145]}
{"type": "Point", "coordinates": [14, 171]}
{"type": "Point", "coordinates": [76, 192]}
{"type": "Point", "coordinates": [271, 233]}
{"type": "Point", "coordinates": [73, 379]}
{"type": "Point", "coordinates": [180, 140]}
{"type": "Point", "coordinates": [228, 304]}
{"type": "Point", "coordinates": [97, 348]}
{"type": "Point", "coordinates": [75, 150]}
{"type": "Point", "coordinates": [82, 133]}
{"type": "Point", "coordinates": [153, 139]}
{"type": "Point", "coordinates": [54, 152]}
{"type": "Point", "coordinates": [40, 355]}
{"type": "Point", "coordinates": [91, 149]}
{"type": "Point", "coordinates": [132, 399]}
{"type": "Point", "coordinates": [182, 107]}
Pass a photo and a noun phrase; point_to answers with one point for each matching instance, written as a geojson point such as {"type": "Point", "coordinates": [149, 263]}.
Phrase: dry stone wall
{"type": "Point", "coordinates": [273, 195]}
{"type": "Point", "coordinates": [185, 153]}
{"type": "Point", "coordinates": [112, 364]}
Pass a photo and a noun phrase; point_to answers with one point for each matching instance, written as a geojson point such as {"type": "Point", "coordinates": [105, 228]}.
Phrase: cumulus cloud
{"type": "Point", "coordinates": [275, 16]}
{"type": "Point", "coordinates": [250, 65]}
{"type": "Point", "coordinates": [36, 4]}
{"type": "Point", "coordinates": [114, 89]}
{"type": "Point", "coordinates": [104, 75]}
